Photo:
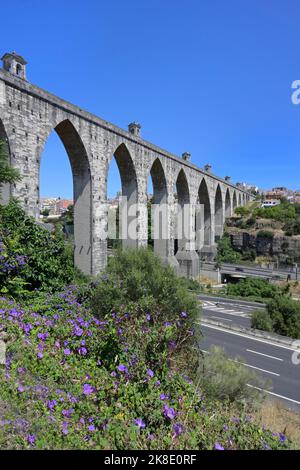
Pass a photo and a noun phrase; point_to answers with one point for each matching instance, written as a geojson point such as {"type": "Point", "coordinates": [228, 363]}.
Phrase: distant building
{"type": "Point", "coordinates": [55, 206]}
{"type": "Point", "coordinates": [270, 202]}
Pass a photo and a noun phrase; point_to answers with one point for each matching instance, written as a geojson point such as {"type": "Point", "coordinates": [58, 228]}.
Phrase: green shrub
{"type": "Point", "coordinates": [285, 315]}
{"type": "Point", "coordinates": [226, 253]}
{"type": "Point", "coordinates": [47, 262]}
{"type": "Point", "coordinates": [138, 275]}
{"type": "Point", "coordinates": [261, 320]}
{"type": "Point", "coordinates": [255, 288]}
{"type": "Point", "coordinates": [265, 234]}
{"type": "Point", "coordinates": [226, 379]}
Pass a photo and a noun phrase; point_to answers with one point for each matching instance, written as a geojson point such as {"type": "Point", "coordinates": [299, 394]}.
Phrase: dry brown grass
{"type": "Point", "coordinates": [273, 415]}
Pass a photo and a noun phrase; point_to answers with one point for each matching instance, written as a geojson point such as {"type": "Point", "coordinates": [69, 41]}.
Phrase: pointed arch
{"type": "Point", "coordinates": [219, 218]}
{"type": "Point", "coordinates": [128, 223]}
{"type": "Point", "coordinates": [234, 201]}
{"type": "Point", "coordinates": [227, 204]}
{"type": "Point", "coordinates": [159, 209]}
{"type": "Point", "coordinates": [204, 225]}
{"type": "Point", "coordinates": [181, 237]}
{"type": "Point", "coordinates": [81, 174]}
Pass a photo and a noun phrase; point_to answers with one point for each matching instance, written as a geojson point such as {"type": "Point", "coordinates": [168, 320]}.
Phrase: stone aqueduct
{"type": "Point", "coordinates": [28, 115]}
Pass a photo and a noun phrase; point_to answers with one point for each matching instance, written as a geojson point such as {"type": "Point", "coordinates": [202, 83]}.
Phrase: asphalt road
{"type": "Point", "coordinates": [272, 361]}
{"type": "Point", "coordinates": [228, 312]}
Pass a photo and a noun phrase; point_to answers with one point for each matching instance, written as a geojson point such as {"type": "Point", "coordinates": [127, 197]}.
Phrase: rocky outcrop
{"type": "Point", "coordinates": [265, 245]}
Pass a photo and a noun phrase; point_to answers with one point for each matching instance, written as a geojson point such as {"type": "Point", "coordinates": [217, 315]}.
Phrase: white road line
{"type": "Point", "coordinates": [220, 318]}
{"type": "Point", "coordinates": [237, 314]}
{"type": "Point", "coordinates": [266, 355]}
{"type": "Point", "coordinates": [246, 365]}
{"type": "Point", "coordinates": [260, 340]}
{"type": "Point", "coordinates": [257, 368]}
{"type": "Point", "coordinates": [274, 394]}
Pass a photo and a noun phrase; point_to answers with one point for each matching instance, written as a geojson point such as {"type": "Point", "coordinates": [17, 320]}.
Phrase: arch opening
{"type": "Point", "coordinates": [122, 198]}
{"type": "Point", "coordinates": [219, 219]}
{"type": "Point", "coordinates": [234, 201]}
{"type": "Point", "coordinates": [73, 182]}
{"type": "Point", "coordinates": [227, 204]}
{"type": "Point", "coordinates": [182, 227]}
{"type": "Point", "coordinates": [158, 232]}
{"type": "Point", "coordinates": [203, 219]}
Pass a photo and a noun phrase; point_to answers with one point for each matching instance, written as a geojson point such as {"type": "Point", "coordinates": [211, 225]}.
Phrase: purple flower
{"type": "Point", "coordinates": [282, 437]}
{"type": "Point", "coordinates": [225, 427]}
{"type": "Point", "coordinates": [82, 351]}
{"type": "Point", "coordinates": [67, 352]}
{"type": "Point", "coordinates": [43, 336]}
{"type": "Point", "coordinates": [40, 355]}
{"type": "Point", "coordinates": [31, 439]}
{"type": "Point", "coordinates": [148, 317]}
{"type": "Point", "coordinates": [21, 389]}
{"type": "Point", "coordinates": [266, 446]}
{"type": "Point", "coordinates": [91, 427]}
{"type": "Point", "coordinates": [87, 389]}
{"type": "Point", "coordinates": [162, 396]}
{"type": "Point", "coordinates": [150, 373]}
{"type": "Point", "coordinates": [183, 314]}
{"type": "Point", "coordinates": [178, 429]}
{"type": "Point", "coordinates": [169, 412]}
{"type": "Point", "coordinates": [122, 368]}
{"type": "Point", "coordinates": [51, 404]}
{"type": "Point", "coordinates": [139, 423]}
{"type": "Point", "coordinates": [167, 323]}
{"type": "Point", "coordinates": [218, 446]}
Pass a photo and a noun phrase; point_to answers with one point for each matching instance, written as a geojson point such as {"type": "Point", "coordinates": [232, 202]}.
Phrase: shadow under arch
{"type": "Point", "coordinates": [227, 204]}
{"type": "Point", "coordinates": [182, 213]}
{"type": "Point", "coordinates": [5, 189]}
{"type": "Point", "coordinates": [81, 193]}
{"type": "Point", "coordinates": [204, 225]}
{"type": "Point", "coordinates": [240, 200]}
{"type": "Point", "coordinates": [219, 218]}
{"type": "Point", "coordinates": [128, 223]}
{"type": "Point", "coordinates": [159, 209]}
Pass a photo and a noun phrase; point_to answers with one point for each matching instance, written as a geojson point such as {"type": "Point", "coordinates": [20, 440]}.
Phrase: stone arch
{"type": "Point", "coordinates": [81, 174]}
{"type": "Point", "coordinates": [240, 199]}
{"type": "Point", "coordinates": [234, 201]}
{"type": "Point", "coordinates": [227, 204]}
{"type": "Point", "coordinates": [219, 217]}
{"type": "Point", "coordinates": [5, 190]}
{"type": "Point", "coordinates": [182, 212]}
{"type": "Point", "coordinates": [205, 214]}
{"type": "Point", "coordinates": [159, 209]}
{"type": "Point", "coordinates": [128, 207]}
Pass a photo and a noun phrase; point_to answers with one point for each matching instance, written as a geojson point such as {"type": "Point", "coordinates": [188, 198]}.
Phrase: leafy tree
{"type": "Point", "coordinates": [225, 252]}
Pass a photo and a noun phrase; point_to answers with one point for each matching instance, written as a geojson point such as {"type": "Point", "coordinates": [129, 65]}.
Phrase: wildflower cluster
{"type": "Point", "coordinates": [76, 381]}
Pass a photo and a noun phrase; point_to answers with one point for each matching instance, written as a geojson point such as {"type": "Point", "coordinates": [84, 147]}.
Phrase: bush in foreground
{"type": "Point", "coordinates": [73, 381]}
{"type": "Point", "coordinates": [31, 257]}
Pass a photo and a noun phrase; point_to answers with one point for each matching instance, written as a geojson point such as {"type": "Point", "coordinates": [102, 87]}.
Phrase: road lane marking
{"type": "Point", "coordinates": [275, 394]}
{"type": "Point", "coordinates": [220, 318]}
{"type": "Point", "coordinates": [243, 335]}
{"type": "Point", "coordinates": [254, 367]}
{"type": "Point", "coordinates": [228, 312]}
{"type": "Point", "coordinates": [266, 355]}
{"type": "Point", "coordinates": [245, 364]}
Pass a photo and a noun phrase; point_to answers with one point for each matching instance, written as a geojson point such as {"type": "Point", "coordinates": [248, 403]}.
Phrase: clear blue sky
{"type": "Point", "coordinates": [209, 76]}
